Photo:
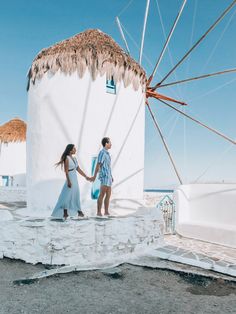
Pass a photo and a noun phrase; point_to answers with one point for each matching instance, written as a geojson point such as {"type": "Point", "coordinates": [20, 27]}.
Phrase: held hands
{"type": "Point", "coordinates": [90, 179]}
{"type": "Point", "coordinates": [93, 179]}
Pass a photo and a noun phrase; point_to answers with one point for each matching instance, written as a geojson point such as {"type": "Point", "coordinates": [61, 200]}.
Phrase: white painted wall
{"type": "Point", "coordinates": [207, 212]}
{"type": "Point", "coordinates": [64, 109]}
{"type": "Point", "coordinates": [13, 162]}
{"type": "Point", "coordinates": [83, 243]}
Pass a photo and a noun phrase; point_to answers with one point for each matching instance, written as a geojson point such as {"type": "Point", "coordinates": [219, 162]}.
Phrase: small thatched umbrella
{"type": "Point", "coordinates": [13, 152]}
{"type": "Point", "coordinates": [13, 131]}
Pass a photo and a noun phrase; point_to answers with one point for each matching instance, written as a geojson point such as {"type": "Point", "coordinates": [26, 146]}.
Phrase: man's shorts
{"type": "Point", "coordinates": [107, 181]}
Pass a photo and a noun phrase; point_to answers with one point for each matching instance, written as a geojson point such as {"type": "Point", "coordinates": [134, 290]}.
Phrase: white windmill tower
{"type": "Point", "coordinates": [80, 90]}
{"type": "Point", "coordinates": [13, 153]}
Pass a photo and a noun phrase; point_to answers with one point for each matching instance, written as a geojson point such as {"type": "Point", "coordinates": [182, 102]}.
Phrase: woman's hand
{"type": "Point", "coordinates": [90, 179]}
{"type": "Point", "coordinates": [69, 184]}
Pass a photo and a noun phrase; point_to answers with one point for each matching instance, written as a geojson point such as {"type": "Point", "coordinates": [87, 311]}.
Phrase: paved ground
{"type": "Point", "coordinates": [198, 253]}
{"type": "Point", "coordinates": [214, 251]}
{"type": "Point", "coordinates": [129, 289]}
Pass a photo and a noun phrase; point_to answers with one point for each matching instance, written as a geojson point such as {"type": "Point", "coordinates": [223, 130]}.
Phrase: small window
{"type": "Point", "coordinates": [6, 181]}
{"type": "Point", "coordinates": [111, 86]}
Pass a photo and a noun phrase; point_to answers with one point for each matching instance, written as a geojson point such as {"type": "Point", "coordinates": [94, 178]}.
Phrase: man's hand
{"type": "Point", "coordinates": [92, 179]}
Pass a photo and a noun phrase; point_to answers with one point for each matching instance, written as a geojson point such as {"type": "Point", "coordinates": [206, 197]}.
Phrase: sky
{"type": "Point", "coordinates": [27, 26]}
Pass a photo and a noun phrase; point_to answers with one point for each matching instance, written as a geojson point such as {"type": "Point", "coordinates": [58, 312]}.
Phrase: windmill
{"type": "Point", "coordinates": [152, 90]}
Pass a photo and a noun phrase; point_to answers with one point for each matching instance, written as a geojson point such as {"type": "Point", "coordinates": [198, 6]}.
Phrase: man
{"type": "Point", "coordinates": [104, 168]}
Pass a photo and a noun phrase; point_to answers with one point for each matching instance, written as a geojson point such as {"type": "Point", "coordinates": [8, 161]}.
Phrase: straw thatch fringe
{"type": "Point", "coordinates": [92, 50]}
{"type": "Point", "coordinates": [13, 131]}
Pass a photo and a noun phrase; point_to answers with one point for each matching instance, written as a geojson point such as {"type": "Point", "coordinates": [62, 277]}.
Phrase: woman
{"type": "Point", "coordinates": [69, 199]}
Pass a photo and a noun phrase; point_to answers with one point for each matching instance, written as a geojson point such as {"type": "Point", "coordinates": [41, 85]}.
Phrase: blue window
{"type": "Point", "coordinates": [5, 181]}
{"type": "Point", "coordinates": [96, 184]}
{"type": "Point", "coordinates": [111, 86]}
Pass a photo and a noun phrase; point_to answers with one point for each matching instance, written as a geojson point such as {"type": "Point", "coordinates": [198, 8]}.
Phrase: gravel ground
{"type": "Point", "coordinates": [130, 290]}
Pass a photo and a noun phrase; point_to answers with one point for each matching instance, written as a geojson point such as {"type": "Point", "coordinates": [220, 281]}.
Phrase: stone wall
{"type": "Point", "coordinates": [207, 212]}
{"type": "Point", "coordinates": [81, 242]}
{"type": "Point", "coordinates": [12, 194]}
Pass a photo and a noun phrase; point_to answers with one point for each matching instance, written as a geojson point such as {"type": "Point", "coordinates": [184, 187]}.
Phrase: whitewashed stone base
{"type": "Point", "coordinates": [12, 194]}
{"type": "Point", "coordinates": [79, 242]}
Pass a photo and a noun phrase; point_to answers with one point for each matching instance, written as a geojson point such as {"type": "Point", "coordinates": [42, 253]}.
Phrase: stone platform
{"type": "Point", "coordinates": [78, 241]}
{"type": "Point", "coordinates": [133, 236]}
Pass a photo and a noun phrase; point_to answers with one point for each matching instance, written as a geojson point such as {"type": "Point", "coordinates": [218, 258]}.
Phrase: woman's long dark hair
{"type": "Point", "coordinates": [66, 152]}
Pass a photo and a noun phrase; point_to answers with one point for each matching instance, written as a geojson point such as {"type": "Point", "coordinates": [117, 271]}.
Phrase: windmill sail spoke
{"type": "Point", "coordinates": [164, 143]}
{"type": "Point", "coordinates": [144, 30]}
{"type": "Point", "coordinates": [200, 123]}
{"type": "Point", "coordinates": [197, 43]}
{"type": "Point", "coordinates": [197, 78]}
{"type": "Point", "coordinates": [122, 34]}
{"type": "Point", "coordinates": [167, 41]}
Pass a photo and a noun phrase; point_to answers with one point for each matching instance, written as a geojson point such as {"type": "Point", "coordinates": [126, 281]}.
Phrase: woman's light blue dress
{"type": "Point", "coordinates": [70, 197]}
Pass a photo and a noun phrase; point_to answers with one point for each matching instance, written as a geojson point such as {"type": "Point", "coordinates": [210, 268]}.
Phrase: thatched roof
{"type": "Point", "coordinates": [91, 49]}
{"type": "Point", "coordinates": [13, 131]}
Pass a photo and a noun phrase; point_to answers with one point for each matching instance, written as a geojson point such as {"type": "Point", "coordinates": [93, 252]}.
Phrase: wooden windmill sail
{"type": "Point", "coordinates": [152, 91]}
